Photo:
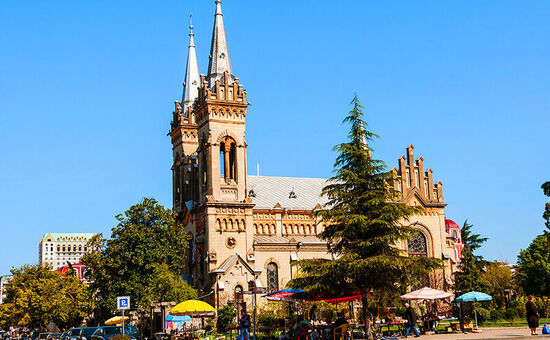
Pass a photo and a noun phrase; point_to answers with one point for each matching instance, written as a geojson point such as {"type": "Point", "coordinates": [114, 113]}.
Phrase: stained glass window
{"type": "Point", "coordinates": [418, 245]}
{"type": "Point", "coordinates": [272, 277]}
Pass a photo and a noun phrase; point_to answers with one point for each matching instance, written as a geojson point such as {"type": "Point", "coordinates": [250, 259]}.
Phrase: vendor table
{"type": "Point", "coordinates": [449, 321]}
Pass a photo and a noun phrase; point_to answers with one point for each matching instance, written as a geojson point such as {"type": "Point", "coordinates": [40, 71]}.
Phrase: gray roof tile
{"type": "Point", "coordinates": [272, 190]}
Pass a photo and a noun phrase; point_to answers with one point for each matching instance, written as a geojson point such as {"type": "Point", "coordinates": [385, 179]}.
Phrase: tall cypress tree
{"type": "Point", "coordinates": [364, 226]}
{"type": "Point", "coordinates": [468, 277]}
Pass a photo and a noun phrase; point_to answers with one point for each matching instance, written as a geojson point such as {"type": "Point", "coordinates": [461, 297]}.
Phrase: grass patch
{"type": "Point", "coordinates": [513, 323]}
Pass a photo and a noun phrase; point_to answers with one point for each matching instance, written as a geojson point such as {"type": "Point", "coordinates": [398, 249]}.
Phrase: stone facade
{"type": "Point", "coordinates": [251, 228]}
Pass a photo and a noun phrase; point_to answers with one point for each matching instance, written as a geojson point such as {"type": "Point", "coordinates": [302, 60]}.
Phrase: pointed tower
{"type": "Point", "coordinates": [184, 135]}
{"type": "Point", "coordinates": [219, 54]}
{"type": "Point", "coordinates": [192, 78]}
{"type": "Point", "coordinates": [223, 216]}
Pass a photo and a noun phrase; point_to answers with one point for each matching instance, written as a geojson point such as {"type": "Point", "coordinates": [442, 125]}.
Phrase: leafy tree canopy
{"type": "Point", "coordinates": [468, 278]}
{"type": "Point", "coordinates": [498, 280]}
{"type": "Point", "coordinates": [37, 295]}
{"type": "Point", "coordinates": [366, 225]}
{"type": "Point", "coordinates": [533, 271]}
{"type": "Point", "coordinates": [145, 248]}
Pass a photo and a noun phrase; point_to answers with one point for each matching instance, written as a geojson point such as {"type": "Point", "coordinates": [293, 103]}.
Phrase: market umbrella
{"type": "Point", "coordinates": [178, 318]}
{"type": "Point", "coordinates": [283, 294]}
{"type": "Point", "coordinates": [345, 296]}
{"type": "Point", "coordinates": [474, 297]}
{"type": "Point", "coordinates": [426, 293]}
{"type": "Point", "coordinates": [115, 320]}
{"type": "Point", "coordinates": [192, 307]}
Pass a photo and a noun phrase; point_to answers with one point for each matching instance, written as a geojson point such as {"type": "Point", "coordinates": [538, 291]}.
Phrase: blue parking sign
{"type": "Point", "coordinates": [123, 302]}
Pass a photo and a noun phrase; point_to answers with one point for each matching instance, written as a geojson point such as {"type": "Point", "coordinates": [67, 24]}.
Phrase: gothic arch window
{"type": "Point", "coordinates": [228, 159]}
{"type": "Point", "coordinates": [418, 244]}
{"type": "Point", "coordinates": [222, 159]}
{"type": "Point", "coordinates": [272, 277]}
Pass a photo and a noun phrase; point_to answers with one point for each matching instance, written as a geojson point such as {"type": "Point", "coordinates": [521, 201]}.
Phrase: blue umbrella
{"type": "Point", "coordinates": [474, 297]}
{"type": "Point", "coordinates": [174, 318]}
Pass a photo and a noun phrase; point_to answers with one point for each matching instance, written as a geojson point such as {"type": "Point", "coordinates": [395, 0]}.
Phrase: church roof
{"type": "Point", "coordinates": [268, 191]}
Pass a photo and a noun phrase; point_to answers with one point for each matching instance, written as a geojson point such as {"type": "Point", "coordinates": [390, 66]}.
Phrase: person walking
{"type": "Point", "coordinates": [244, 324]}
{"type": "Point", "coordinates": [410, 316]}
{"type": "Point", "coordinates": [532, 315]}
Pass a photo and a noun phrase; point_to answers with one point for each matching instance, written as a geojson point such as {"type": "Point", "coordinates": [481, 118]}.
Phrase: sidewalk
{"type": "Point", "coordinates": [491, 333]}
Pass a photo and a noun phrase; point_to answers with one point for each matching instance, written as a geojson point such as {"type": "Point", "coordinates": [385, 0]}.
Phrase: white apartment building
{"type": "Point", "coordinates": [57, 249]}
{"type": "Point", "coordinates": [4, 282]}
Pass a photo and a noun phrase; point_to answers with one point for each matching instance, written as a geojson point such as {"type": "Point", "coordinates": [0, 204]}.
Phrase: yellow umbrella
{"type": "Point", "coordinates": [192, 307]}
{"type": "Point", "coordinates": [115, 320]}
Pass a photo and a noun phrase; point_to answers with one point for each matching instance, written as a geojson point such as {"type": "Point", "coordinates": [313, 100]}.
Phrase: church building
{"type": "Point", "coordinates": [251, 228]}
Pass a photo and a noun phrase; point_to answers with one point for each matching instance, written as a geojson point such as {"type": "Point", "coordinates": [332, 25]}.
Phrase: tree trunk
{"type": "Point", "coordinates": [366, 314]}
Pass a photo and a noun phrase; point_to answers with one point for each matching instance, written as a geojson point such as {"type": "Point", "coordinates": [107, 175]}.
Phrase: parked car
{"type": "Point", "coordinates": [107, 332]}
{"type": "Point", "coordinates": [53, 336]}
{"type": "Point", "coordinates": [87, 332]}
{"type": "Point", "coordinates": [64, 335]}
{"type": "Point", "coordinates": [74, 334]}
{"type": "Point", "coordinates": [43, 336]}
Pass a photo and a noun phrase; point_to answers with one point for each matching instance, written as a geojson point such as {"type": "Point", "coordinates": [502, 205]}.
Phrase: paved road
{"type": "Point", "coordinates": [490, 333]}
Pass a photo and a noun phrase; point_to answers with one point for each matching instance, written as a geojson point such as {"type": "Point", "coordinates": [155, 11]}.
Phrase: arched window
{"type": "Point", "coordinates": [228, 159]}
{"type": "Point", "coordinates": [222, 159]}
{"type": "Point", "coordinates": [233, 162]}
{"type": "Point", "coordinates": [418, 245]}
{"type": "Point", "coordinates": [272, 277]}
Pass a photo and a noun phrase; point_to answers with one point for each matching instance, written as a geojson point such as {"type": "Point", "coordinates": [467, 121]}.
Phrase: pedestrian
{"type": "Point", "coordinates": [532, 315]}
{"type": "Point", "coordinates": [410, 316]}
{"type": "Point", "coordinates": [244, 324]}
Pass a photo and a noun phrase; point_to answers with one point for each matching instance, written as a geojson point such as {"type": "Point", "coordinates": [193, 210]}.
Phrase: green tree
{"type": "Point", "coordinates": [365, 225]}
{"type": "Point", "coordinates": [468, 278]}
{"type": "Point", "coordinates": [145, 244]}
{"type": "Point", "coordinates": [533, 270]}
{"type": "Point", "coordinates": [498, 281]}
{"type": "Point", "coordinates": [226, 316]}
{"type": "Point", "coordinates": [37, 295]}
{"type": "Point", "coordinates": [546, 215]}
{"type": "Point", "coordinates": [166, 285]}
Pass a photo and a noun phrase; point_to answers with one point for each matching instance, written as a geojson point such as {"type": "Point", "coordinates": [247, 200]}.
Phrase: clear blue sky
{"type": "Point", "coordinates": [87, 91]}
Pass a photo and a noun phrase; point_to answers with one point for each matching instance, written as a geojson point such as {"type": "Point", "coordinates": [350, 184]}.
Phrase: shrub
{"type": "Point", "coordinates": [519, 306]}
{"type": "Point", "coordinates": [482, 315]}
{"type": "Point", "coordinates": [496, 314]}
{"type": "Point", "coordinates": [226, 315]}
{"type": "Point", "coordinates": [267, 319]}
{"type": "Point", "coordinates": [511, 313]}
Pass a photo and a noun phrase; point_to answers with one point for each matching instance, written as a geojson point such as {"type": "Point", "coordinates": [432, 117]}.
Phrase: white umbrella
{"type": "Point", "coordinates": [426, 293]}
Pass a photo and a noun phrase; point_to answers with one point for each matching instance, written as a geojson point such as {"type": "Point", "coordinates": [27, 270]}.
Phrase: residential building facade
{"type": "Point", "coordinates": [59, 249]}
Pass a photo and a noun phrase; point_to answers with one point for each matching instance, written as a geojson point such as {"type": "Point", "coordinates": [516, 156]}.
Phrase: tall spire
{"type": "Point", "coordinates": [192, 78]}
{"type": "Point", "coordinates": [219, 54]}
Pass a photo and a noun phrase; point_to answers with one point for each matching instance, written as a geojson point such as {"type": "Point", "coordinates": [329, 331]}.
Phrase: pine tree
{"type": "Point", "coordinates": [365, 225]}
{"type": "Point", "coordinates": [546, 215]}
{"type": "Point", "coordinates": [471, 265]}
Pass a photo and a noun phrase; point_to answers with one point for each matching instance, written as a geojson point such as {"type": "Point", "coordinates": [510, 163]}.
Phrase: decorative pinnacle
{"type": "Point", "coordinates": [219, 7]}
{"type": "Point", "coordinates": [191, 35]}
